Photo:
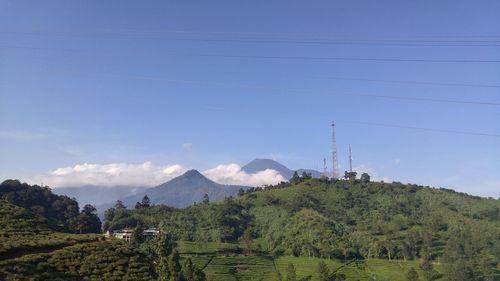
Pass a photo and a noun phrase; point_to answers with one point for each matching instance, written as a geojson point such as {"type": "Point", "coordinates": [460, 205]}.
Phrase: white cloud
{"type": "Point", "coordinates": [370, 171]}
{"type": "Point", "coordinates": [145, 174]}
{"type": "Point", "coordinates": [232, 174]}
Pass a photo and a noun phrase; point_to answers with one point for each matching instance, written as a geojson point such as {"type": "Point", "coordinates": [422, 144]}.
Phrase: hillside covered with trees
{"type": "Point", "coordinates": [345, 220]}
{"type": "Point", "coordinates": [305, 229]}
{"type": "Point", "coordinates": [61, 212]}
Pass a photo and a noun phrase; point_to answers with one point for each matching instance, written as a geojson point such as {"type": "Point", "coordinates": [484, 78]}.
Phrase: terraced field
{"type": "Point", "coordinates": [103, 260]}
{"type": "Point", "coordinates": [220, 264]}
{"type": "Point", "coordinates": [21, 232]}
{"type": "Point", "coordinates": [375, 269]}
{"type": "Point", "coordinates": [187, 247]}
{"type": "Point", "coordinates": [241, 267]}
{"type": "Point", "coordinates": [31, 250]}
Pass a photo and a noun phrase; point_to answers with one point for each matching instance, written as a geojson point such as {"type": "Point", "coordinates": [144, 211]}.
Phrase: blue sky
{"type": "Point", "coordinates": [216, 82]}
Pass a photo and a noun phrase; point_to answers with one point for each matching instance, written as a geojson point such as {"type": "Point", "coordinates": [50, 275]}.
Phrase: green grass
{"type": "Point", "coordinates": [228, 268]}
{"type": "Point", "coordinates": [186, 247]}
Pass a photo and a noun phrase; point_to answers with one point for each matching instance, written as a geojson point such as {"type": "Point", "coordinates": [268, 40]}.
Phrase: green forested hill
{"type": "Point", "coordinates": [314, 229]}
{"type": "Point", "coordinates": [33, 248]}
{"type": "Point", "coordinates": [346, 220]}
{"type": "Point", "coordinates": [23, 232]}
{"type": "Point", "coordinates": [61, 212]}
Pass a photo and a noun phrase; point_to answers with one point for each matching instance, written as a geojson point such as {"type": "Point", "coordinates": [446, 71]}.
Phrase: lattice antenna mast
{"type": "Point", "coordinates": [350, 159]}
{"type": "Point", "coordinates": [335, 173]}
{"type": "Point", "coordinates": [325, 170]}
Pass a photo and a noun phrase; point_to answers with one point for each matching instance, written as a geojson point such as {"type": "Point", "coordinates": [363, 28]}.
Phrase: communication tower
{"type": "Point", "coordinates": [335, 172]}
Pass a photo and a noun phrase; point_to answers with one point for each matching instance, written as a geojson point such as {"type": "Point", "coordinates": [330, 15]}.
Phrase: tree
{"type": "Point", "coordinates": [119, 205]}
{"type": "Point", "coordinates": [306, 176]}
{"type": "Point", "coordinates": [87, 221]}
{"type": "Point", "coordinates": [365, 178]}
{"type": "Point", "coordinates": [241, 192]}
{"type": "Point", "coordinates": [137, 234]}
{"type": "Point", "coordinates": [188, 269]}
{"type": "Point", "coordinates": [138, 205]}
{"type": "Point", "coordinates": [206, 199]}
{"type": "Point", "coordinates": [412, 275]}
{"type": "Point", "coordinates": [291, 275]}
{"type": "Point", "coordinates": [162, 249]}
{"type": "Point", "coordinates": [175, 267]}
{"type": "Point", "coordinates": [145, 203]}
{"type": "Point", "coordinates": [350, 175]}
{"type": "Point", "coordinates": [199, 275]}
{"type": "Point", "coordinates": [109, 214]}
{"type": "Point", "coordinates": [89, 210]}
{"type": "Point", "coordinates": [323, 271]}
{"type": "Point", "coordinates": [295, 178]}
{"type": "Point", "coordinates": [428, 269]}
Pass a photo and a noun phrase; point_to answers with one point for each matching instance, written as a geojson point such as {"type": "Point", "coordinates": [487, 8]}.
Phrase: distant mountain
{"type": "Point", "coordinates": [259, 165]}
{"type": "Point", "coordinates": [181, 191]}
{"type": "Point", "coordinates": [97, 195]}
{"type": "Point", "coordinates": [315, 174]}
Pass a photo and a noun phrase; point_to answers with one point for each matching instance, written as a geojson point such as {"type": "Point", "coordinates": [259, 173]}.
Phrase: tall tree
{"type": "Point", "coordinates": [412, 275]}
{"type": "Point", "coordinates": [87, 221]}
{"type": "Point", "coordinates": [119, 205]}
{"type": "Point", "coordinates": [323, 271]}
{"type": "Point", "coordinates": [145, 202]}
{"type": "Point", "coordinates": [291, 274]}
{"type": "Point", "coordinates": [365, 178]}
{"type": "Point", "coordinates": [295, 178]}
{"type": "Point", "coordinates": [206, 199]}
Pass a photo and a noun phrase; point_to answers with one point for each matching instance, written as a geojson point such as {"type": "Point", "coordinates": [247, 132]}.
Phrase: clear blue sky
{"type": "Point", "coordinates": [210, 82]}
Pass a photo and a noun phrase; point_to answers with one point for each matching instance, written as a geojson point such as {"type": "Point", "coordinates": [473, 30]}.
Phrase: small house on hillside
{"type": "Point", "coordinates": [126, 234]}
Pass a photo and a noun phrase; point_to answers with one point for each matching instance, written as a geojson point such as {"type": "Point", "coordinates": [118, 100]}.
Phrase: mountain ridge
{"type": "Point", "coordinates": [181, 191]}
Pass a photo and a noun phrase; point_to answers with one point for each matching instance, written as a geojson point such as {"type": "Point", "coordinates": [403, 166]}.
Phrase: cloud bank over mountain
{"type": "Point", "coordinates": [148, 174]}
{"type": "Point", "coordinates": [233, 174]}
{"type": "Point", "coordinates": [113, 174]}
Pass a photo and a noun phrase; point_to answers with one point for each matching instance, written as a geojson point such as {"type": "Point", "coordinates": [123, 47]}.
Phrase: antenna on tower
{"type": "Point", "coordinates": [335, 173]}
{"type": "Point", "coordinates": [325, 171]}
{"type": "Point", "coordinates": [350, 159]}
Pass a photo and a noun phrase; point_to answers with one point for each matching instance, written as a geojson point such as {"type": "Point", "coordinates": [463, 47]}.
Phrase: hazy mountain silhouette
{"type": "Point", "coordinates": [181, 191]}
{"type": "Point", "coordinates": [258, 165]}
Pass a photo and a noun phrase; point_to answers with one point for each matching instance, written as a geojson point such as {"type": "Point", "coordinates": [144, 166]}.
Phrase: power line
{"type": "Point", "coordinates": [343, 58]}
{"type": "Point", "coordinates": [302, 57]}
{"type": "Point", "coordinates": [317, 37]}
{"type": "Point", "coordinates": [411, 82]}
{"type": "Point", "coordinates": [429, 99]}
{"type": "Point", "coordinates": [318, 41]}
{"type": "Point", "coordinates": [256, 87]}
{"type": "Point", "coordinates": [425, 129]}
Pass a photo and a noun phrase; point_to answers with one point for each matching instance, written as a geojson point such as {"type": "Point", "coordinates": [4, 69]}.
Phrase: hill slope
{"type": "Point", "coordinates": [32, 248]}
{"type": "Point", "coordinates": [347, 220]}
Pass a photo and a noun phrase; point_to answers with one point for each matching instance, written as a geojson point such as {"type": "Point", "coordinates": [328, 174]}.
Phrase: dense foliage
{"type": "Point", "coordinates": [24, 232]}
{"type": "Point", "coordinates": [91, 261]}
{"type": "Point", "coordinates": [61, 212]}
{"type": "Point", "coordinates": [348, 219]}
